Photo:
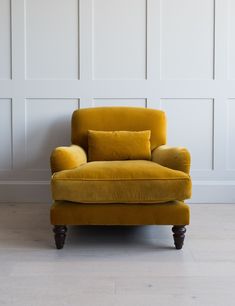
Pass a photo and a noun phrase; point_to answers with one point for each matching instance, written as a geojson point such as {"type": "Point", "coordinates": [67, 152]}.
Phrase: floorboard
{"type": "Point", "coordinates": [116, 266]}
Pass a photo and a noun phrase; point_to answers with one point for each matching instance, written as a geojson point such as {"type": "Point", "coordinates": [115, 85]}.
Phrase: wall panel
{"type": "Point", "coordinates": [230, 149]}
{"type": "Point", "coordinates": [119, 39]}
{"type": "Point", "coordinates": [5, 39]}
{"type": "Point", "coordinates": [5, 134]}
{"type": "Point", "coordinates": [187, 39]}
{"type": "Point", "coordinates": [47, 126]}
{"type": "Point", "coordinates": [120, 102]}
{"type": "Point", "coordinates": [190, 124]}
{"type": "Point", "coordinates": [231, 40]}
{"type": "Point", "coordinates": [52, 39]}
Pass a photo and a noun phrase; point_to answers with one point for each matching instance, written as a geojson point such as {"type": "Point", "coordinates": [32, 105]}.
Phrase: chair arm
{"type": "Point", "coordinates": [176, 158]}
{"type": "Point", "coordinates": [65, 158]}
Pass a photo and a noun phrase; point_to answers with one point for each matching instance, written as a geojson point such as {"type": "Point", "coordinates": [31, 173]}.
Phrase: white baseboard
{"type": "Point", "coordinates": [39, 192]}
{"type": "Point", "coordinates": [213, 192]}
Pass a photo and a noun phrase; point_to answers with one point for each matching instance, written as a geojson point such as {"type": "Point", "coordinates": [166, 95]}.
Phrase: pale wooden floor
{"type": "Point", "coordinates": [116, 266]}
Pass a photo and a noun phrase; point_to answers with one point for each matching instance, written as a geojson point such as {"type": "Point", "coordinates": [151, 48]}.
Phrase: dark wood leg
{"type": "Point", "coordinates": [179, 234]}
{"type": "Point", "coordinates": [60, 235]}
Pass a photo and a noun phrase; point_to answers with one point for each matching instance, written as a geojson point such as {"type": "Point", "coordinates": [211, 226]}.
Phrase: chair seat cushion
{"type": "Point", "coordinates": [132, 181]}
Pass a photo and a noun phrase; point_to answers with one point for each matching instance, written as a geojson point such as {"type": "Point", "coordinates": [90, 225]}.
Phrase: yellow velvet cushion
{"type": "Point", "coordinates": [118, 145]}
{"type": "Point", "coordinates": [118, 119]}
{"type": "Point", "coordinates": [133, 181]}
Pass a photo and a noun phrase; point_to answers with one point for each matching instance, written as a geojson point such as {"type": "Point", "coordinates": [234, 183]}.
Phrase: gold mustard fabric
{"type": "Point", "coordinates": [69, 213]}
{"type": "Point", "coordinates": [118, 119]}
{"type": "Point", "coordinates": [63, 158]}
{"type": "Point", "coordinates": [172, 157]}
{"type": "Point", "coordinates": [118, 145]}
{"type": "Point", "coordinates": [133, 181]}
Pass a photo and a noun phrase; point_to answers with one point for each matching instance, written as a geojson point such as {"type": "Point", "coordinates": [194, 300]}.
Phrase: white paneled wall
{"type": "Point", "coordinates": [230, 158]}
{"type": "Point", "coordinates": [192, 130]}
{"type": "Point", "coordinates": [59, 55]}
{"type": "Point", "coordinates": [119, 39]}
{"type": "Point", "coordinates": [47, 126]}
{"type": "Point", "coordinates": [5, 135]}
{"type": "Point", "coordinates": [231, 40]}
{"type": "Point", "coordinates": [187, 39]}
{"type": "Point", "coordinates": [52, 33]}
{"type": "Point", "coordinates": [120, 101]}
{"type": "Point", "coordinates": [5, 35]}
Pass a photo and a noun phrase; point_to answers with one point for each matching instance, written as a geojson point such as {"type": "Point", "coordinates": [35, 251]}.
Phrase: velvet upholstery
{"type": "Point", "coordinates": [118, 119]}
{"type": "Point", "coordinates": [118, 145]}
{"type": "Point", "coordinates": [133, 181]}
{"type": "Point", "coordinates": [172, 157]}
{"type": "Point", "coordinates": [64, 158]}
{"type": "Point", "coordinates": [72, 213]}
{"type": "Point", "coordinates": [130, 192]}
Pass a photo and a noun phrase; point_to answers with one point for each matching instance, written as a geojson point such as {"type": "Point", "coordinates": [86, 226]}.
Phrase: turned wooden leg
{"type": "Point", "coordinates": [179, 234]}
{"type": "Point", "coordinates": [60, 235]}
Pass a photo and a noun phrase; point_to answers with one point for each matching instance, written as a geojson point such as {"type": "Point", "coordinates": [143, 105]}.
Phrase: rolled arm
{"type": "Point", "coordinates": [176, 158]}
{"type": "Point", "coordinates": [65, 158]}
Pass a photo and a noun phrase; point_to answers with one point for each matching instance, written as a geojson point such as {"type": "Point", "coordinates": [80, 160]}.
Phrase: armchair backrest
{"type": "Point", "coordinates": [118, 119]}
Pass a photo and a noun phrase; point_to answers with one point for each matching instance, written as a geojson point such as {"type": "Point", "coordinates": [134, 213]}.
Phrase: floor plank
{"type": "Point", "coordinates": [116, 266]}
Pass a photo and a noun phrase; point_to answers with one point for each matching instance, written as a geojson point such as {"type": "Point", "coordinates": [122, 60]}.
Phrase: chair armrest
{"type": "Point", "coordinates": [65, 158]}
{"type": "Point", "coordinates": [176, 158]}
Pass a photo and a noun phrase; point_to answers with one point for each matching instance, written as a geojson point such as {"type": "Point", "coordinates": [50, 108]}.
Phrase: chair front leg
{"type": "Point", "coordinates": [179, 234]}
{"type": "Point", "coordinates": [60, 235]}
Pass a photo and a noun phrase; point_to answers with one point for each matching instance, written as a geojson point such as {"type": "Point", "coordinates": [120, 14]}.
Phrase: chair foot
{"type": "Point", "coordinates": [179, 234]}
{"type": "Point", "coordinates": [60, 235]}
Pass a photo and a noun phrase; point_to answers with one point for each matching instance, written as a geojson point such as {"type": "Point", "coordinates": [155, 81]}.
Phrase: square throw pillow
{"type": "Point", "coordinates": [118, 145]}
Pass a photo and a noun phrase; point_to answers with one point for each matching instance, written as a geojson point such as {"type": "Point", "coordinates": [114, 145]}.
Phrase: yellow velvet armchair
{"type": "Point", "coordinates": [131, 191]}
